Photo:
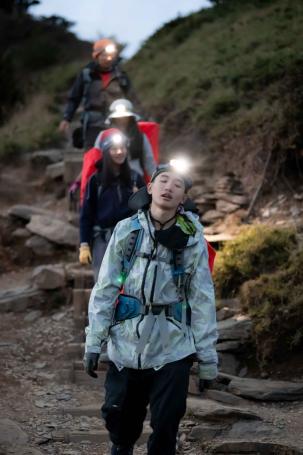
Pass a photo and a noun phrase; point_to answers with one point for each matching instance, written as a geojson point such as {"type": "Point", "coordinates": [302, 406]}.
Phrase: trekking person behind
{"type": "Point", "coordinates": [106, 197]}
{"type": "Point", "coordinates": [140, 153]}
{"type": "Point", "coordinates": [154, 305]}
{"type": "Point", "coordinates": [97, 85]}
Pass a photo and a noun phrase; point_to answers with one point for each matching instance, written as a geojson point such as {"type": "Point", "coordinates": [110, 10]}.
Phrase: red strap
{"type": "Point", "coordinates": [106, 79]}
{"type": "Point", "coordinates": [88, 168]}
{"type": "Point", "coordinates": [211, 256]}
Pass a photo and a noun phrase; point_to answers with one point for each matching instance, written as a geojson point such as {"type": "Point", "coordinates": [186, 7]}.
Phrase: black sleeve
{"type": "Point", "coordinates": [89, 211]}
{"type": "Point", "coordinates": [74, 97]}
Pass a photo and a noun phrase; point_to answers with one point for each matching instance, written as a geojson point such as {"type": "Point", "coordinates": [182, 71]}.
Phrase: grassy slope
{"type": "Point", "coordinates": [34, 124]}
{"type": "Point", "coordinates": [212, 66]}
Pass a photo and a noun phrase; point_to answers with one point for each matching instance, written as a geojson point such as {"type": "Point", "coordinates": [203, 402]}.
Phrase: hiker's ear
{"type": "Point", "coordinates": [149, 187]}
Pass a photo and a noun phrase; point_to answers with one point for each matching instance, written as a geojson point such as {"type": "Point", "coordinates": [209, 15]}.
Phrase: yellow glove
{"type": "Point", "coordinates": [85, 256]}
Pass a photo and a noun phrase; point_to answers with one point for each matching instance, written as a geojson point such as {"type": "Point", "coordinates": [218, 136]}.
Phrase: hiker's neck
{"type": "Point", "coordinates": [162, 215]}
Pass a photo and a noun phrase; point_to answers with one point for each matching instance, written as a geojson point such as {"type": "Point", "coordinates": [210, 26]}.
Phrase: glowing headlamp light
{"type": "Point", "coordinates": [181, 165]}
{"type": "Point", "coordinates": [110, 49]}
{"type": "Point", "coordinates": [117, 139]}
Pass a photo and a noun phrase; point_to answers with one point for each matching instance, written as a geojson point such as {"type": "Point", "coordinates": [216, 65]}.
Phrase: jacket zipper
{"type": "Point", "coordinates": [152, 292]}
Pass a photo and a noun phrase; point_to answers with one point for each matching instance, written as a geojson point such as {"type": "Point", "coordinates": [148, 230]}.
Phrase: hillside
{"type": "Point", "coordinates": [35, 66]}
{"type": "Point", "coordinates": [228, 82]}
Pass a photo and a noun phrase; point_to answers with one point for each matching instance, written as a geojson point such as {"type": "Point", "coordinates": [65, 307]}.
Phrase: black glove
{"type": "Point", "coordinates": [204, 384]}
{"type": "Point", "coordinates": [90, 362]}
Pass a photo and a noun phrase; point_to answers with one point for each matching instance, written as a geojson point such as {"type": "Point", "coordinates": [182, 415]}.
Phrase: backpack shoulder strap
{"type": "Point", "coordinates": [134, 242]}
{"type": "Point", "coordinates": [99, 184]}
{"type": "Point", "coordinates": [87, 81]}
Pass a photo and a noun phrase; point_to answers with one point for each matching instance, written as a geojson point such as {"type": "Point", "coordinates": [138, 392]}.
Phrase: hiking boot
{"type": "Point", "coordinates": [122, 450]}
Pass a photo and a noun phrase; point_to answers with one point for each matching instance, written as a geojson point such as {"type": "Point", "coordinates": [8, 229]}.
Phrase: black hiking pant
{"type": "Point", "coordinates": [128, 393]}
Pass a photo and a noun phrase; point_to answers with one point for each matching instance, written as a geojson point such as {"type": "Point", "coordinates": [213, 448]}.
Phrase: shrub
{"type": "Point", "coordinates": [257, 250]}
{"type": "Point", "coordinates": [275, 304]}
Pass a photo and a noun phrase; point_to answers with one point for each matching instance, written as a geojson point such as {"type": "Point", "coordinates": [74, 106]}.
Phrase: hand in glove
{"type": "Point", "coordinates": [90, 362]}
{"type": "Point", "coordinates": [73, 188]}
{"type": "Point", "coordinates": [207, 373]}
{"type": "Point", "coordinates": [85, 256]}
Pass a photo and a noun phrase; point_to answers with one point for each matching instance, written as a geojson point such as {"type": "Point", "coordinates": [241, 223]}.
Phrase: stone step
{"type": "Point", "coordinates": [253, 448]}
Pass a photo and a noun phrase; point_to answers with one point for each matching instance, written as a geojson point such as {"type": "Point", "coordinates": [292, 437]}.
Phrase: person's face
{"type": "Point", "coordinates": [121, 122]}
{"type": "Point", "coordinates": [167, 190]}
{"type": "Point", "coordinates": [118, 154]}
{"type": "Point", "coordinates": [106, 60]}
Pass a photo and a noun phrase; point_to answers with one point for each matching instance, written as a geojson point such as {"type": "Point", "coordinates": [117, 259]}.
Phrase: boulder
{"type": "Point", "coordinates": [25, 212]}
{"type": "Point", "coordinates": [226, 207]}
{"type": "Point", "coordinates": [228, 363]}
{"type": "Point", "coordinates": [45, 157]}
{"type": "Point", "coordinates": [205, 432]}
{"type": "Point", "coordinates": [224, 397]}
{"type": "Point", "coordinates": [211, 216]}
{"type": "Point", "coordinates": [40, 246]}
{"type": "Point", "coordinates": [265, 389]}
{"type": "Point", "coordinates": [55, 171]}
{"type": "Point", "coordinates": [19, 299]}
{"type": "Point", "coordinates": [228, 346]}
{"type": "Point", "coordinates": [238, 199]}
{"type": "Point", "coordinates": [11, 434]}
{"type": "Point", "coordinates": [55, 230]}
{"type": "Point", "coordinates": [258, 430]}
{"type": "Point", "coordinates": [21, 233]}
{"type": "Point", "coordinates": [236, 328]}
{"type": "Point", "coordinates": [205, 409]}
{"type": "Point", "coordinates": [49, 277]}
{"type": "Point", "coordinates": [225, 313]}
{"type": "Point", "coordinates": [233, 304]}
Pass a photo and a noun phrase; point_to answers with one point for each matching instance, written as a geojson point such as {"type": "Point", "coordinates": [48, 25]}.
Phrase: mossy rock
{"type": "Point", "coordinates": [275, 303]}
{"type": "Point", "coordinates": [257, 250]}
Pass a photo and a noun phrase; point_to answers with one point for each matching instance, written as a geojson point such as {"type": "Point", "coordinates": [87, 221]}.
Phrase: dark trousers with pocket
{"type": "Point", "coordinates": [128, 393]}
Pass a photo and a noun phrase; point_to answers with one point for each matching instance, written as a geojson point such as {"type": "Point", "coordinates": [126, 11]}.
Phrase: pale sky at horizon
{"type": "Point", "coordinates": [131, 21]}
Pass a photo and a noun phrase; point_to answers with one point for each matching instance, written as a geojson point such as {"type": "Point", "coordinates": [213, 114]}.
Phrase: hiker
{"type": "Point", "coordinates": [140, 152]}
{"type": "Point", "coordinates": [97, 85]}
{"type": "Point", "coordinates": [154, 305]}
{"type": "Point", "coordinates": [106, 196]}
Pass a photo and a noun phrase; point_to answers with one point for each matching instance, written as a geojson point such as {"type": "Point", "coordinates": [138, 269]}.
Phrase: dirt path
{"type": "Point", "coordinates": [36, 392]}
{"type": "Point", "coordinates": [55, 406]}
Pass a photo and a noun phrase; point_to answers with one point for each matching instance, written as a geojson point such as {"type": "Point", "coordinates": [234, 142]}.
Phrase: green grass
{"type": "Point", "coordinates": [216, 63]}
{"type": "Point", "coordinates": [35, 124]}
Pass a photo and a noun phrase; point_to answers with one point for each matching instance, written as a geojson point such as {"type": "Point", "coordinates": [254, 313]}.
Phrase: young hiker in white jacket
{"type": "Point", "coordinates": [154, 305]}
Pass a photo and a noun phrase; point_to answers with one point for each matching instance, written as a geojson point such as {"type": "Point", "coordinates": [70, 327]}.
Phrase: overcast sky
{"type": "Point", "coordinates": [131, 21]}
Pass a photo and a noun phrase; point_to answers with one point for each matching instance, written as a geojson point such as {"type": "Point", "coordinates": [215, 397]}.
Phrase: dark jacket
{"type": "Point", "coordinates": [105, 207]}
{"type": "Point", "coordinates": [81, 86]}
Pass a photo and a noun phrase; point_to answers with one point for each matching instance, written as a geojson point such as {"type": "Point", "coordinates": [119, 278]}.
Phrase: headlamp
{"type": "Point", "coordinates": [110, 49]}
{"type": "Point", "coordinates": [117, 139]}
{"type": "Point", "coordinates": [181, 165]}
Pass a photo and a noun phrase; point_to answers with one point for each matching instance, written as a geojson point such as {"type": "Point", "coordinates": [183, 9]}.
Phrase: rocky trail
{"type": "Point", "coordinates": [48, 404]}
